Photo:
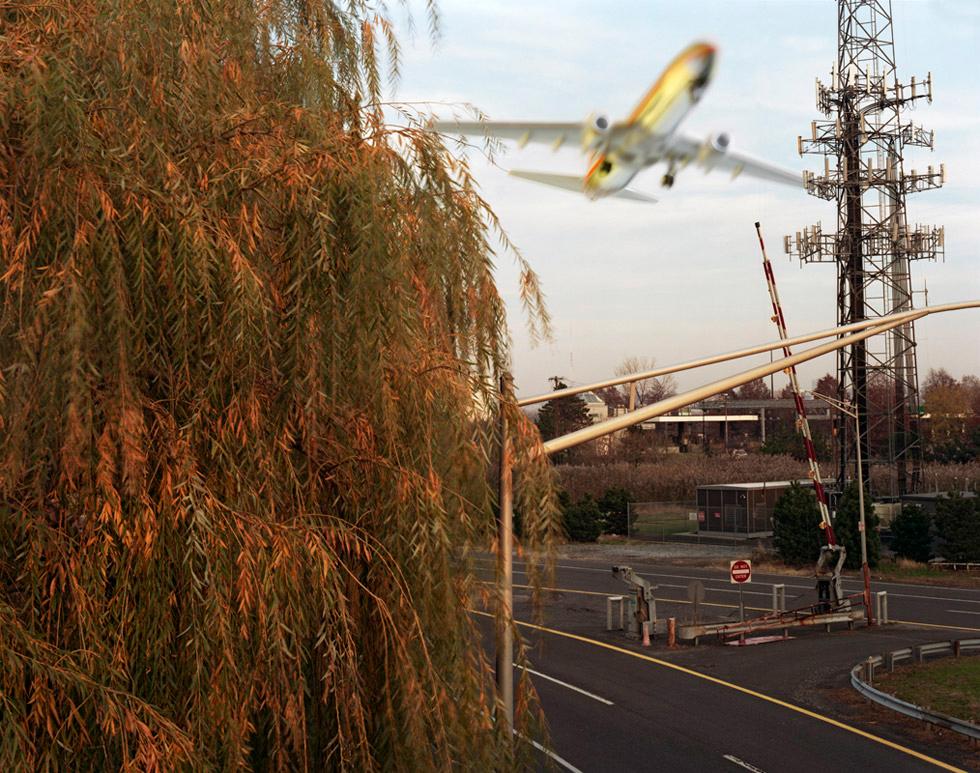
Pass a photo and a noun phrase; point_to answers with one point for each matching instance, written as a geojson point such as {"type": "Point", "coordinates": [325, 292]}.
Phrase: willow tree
{"type": "Point", "coordinates": [248, 341]}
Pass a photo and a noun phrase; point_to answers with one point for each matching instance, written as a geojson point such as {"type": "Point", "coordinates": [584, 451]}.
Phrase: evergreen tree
{"type": "Point", "coordinates": [958, 526]}
{"type": "Point", "coordinates": [796, 526]}
{"type": "Point", "coordinates": [912, 528]}
{"type": "Point", "coordinates": [244, 328]}
{"type": "Point", "coordinates": [582, 520]}
{"type": "Point", "coordinates": [846, 522]}
{"type": "Point", "coordinates": [561, 416]}
{"type": "Point", "coordinates": [614, 506]}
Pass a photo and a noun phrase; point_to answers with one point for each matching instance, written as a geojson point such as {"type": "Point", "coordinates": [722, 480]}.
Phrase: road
{"type": "Point", "coordinates": [613, 705]}
{"type": "Point", "coordinates": [954, 609]}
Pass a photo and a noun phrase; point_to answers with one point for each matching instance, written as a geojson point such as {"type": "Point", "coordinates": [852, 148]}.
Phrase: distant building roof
{"type": "Point", "coordinates": [758, 485]}
{"type": "Point", "coordinates": [592, 397]}
{"type": "Point", "coordinates": [932, 496]}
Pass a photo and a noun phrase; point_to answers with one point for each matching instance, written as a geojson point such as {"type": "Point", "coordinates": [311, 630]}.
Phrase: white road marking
{"type": "Point", "coordinates": [856, 583]}
{"type": "Point", "coordinates": [855, 589]}
{"type": "Point", "coordinates": [682, 587]}
{"type": "Point", "coordinates": [565, 684]}
{"type": "Point", "coordinates": [560, 760]}
{"type": "Point", "coordinates": [742, 763]}
{"type": "Point", "coordinates": [963, 612]}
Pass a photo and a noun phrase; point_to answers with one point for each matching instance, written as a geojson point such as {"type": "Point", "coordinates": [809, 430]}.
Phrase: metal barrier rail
{"type": "Point", "coordinates": [955, 566]}
{"type": "Point", "coordinates": [862, 675]}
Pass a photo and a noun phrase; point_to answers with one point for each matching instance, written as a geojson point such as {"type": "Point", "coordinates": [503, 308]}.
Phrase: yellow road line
{"type": "Point", "coordinates": [739, 688]}
{"type": "Point", "coordinates": [936, 625]}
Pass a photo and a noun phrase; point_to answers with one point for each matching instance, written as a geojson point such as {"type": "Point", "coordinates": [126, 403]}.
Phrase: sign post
{"type": "Point", "coordinates": [740, 572]}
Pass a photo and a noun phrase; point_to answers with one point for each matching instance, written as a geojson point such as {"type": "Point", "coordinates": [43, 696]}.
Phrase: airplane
{"type": "Point", "coordinates": [618, 151]}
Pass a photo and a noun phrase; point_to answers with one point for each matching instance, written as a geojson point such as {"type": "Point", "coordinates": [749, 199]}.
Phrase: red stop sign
{"type": "Point", "coordinates": [740, 571]}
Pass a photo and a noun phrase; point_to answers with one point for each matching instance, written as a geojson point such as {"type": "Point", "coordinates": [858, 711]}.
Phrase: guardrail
{"type": "Point", "coordinates": [956, 566]}
{"type": "Point", "coordinates": [862, 677]}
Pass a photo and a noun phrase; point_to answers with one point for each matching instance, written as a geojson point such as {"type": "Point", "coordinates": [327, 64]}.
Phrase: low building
{"type": "Point", "coordinates": [740, 509]}
{"type": "Point", "coordinates": [928, 500]}
{"type": "Point", "coordinates": [598, 410]}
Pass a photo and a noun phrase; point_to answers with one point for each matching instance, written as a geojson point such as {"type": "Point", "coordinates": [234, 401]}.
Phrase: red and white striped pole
{"type": "Point", "coordinates": [804, 425]}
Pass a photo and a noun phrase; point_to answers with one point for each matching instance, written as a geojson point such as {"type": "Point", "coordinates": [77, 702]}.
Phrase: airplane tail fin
{"type": "Point", "coordinates": [571, 182]}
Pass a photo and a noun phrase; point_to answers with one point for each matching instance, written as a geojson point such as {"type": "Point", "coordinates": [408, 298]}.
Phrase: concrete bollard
{"type": "Point", "coordinates": [672, 632]}
{"type": "Point", "coordinates": [779, 598]}
{"type": "Point", "coordinates": [610, 600]}
{"type": "Point", "coordinates": [956, 648]}
{"type": "Point", "coordinates": [881, 607]}
{"type": "Point", "coordinates": [646, 633]}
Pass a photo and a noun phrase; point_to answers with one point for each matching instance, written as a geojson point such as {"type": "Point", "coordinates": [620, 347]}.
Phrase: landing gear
{"type": "Point", "coordinates": [667, 180]}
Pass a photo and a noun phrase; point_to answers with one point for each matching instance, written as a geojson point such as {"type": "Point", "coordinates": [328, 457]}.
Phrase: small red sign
{"type": "Point", "coordinates": [740, 571]}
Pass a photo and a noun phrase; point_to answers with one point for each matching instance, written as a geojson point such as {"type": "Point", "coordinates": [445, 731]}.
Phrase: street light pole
{"type": "Point", "coordinates": [505, 566]}
{"type": "Point", "coordinates": [865, 570]}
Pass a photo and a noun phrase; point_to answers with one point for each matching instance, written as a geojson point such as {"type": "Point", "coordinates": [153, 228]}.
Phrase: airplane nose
{"type": "Point", "coordinates": [707, 60]}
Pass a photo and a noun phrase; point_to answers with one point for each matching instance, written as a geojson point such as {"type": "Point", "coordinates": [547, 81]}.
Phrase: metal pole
{"type": "Point", "coordinates": [726, 426]}
{"type": "Point", "coordinates": [669, 404]}
{"type": "Point", "coordinates": [505, 567]}
{"type": "Point", "coordinates": [865, 570]}
{"type": "Point", "coordinates": [772, 383]}
{"type": "Point", "coordinates": [759, 349]}
{"type": "Point", "coordinates": [864, 537]}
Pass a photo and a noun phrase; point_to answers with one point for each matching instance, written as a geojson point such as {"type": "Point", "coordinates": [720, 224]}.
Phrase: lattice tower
{"type": "Point", "coordinates": [862, 138]}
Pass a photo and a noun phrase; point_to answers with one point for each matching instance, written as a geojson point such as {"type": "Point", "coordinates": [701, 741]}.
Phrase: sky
{"type": "Point", "coordinates": [683, 279]}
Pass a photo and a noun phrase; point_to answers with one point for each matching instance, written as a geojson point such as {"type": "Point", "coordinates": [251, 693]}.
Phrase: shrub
{"type": "Point", "coordinates": [614, 507]}
{"type": "Point", "coordinates": [582, 520]}
{"type": "Point", "coordinates": [796, 526]}
{"type": "Point", "coordinates": [958, 525]}
{"type": "Point", "coordinates": [912, 527]}
{"type": "Point", "coordinates": [846, 522]}
{"type": "Point", "coordinates": [675, 478]}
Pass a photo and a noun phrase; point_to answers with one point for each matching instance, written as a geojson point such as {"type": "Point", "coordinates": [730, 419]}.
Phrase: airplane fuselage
{"type": "Point", "coordinates": [651, 134]}
{"type": "Point", "coordinates": [651, 123]}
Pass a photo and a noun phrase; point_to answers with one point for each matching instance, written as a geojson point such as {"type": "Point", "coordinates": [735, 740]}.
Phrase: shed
{"type": "Point", "coordinates": [742, 509]}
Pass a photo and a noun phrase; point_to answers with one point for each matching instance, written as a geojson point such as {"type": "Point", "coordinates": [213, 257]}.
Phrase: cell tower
{"type": "Point", "coordinates": [862, 139]}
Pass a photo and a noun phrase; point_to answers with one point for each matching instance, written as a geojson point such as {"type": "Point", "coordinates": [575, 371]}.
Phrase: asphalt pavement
{"type": "Point", "coordinates": [784, 706]}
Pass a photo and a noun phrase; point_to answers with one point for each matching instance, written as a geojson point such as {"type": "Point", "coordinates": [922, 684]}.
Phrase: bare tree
{"type": "Point", "coordinates": [826, 385]}
{"type": "Point", "coordinates": [754, 390]}
{"type": "Point", "coordinates": [648, 390]}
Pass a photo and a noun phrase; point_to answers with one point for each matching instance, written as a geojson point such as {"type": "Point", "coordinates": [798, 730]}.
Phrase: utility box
{"type": "Point", "coordinates": [740, 509]}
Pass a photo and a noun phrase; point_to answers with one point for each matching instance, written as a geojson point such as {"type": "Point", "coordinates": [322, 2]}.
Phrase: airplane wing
{"type": "Point", "coordinates": [571, 182]}
{"type": "Point", "coordinates": [549, 133]}
{"type": "Point", "coordinates": [706, 153]}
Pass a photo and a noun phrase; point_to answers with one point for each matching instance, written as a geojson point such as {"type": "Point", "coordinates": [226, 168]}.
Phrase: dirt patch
{"type": "Point", "coordinates": [848, 705]}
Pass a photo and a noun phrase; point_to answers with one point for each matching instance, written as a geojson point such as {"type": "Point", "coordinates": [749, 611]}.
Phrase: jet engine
{"type": "Point", "coordinates": [594, 131]}
{"type": "Point", "coordinates": [719, 142]}
{"type": "Point", "coordinates": [714, 145]}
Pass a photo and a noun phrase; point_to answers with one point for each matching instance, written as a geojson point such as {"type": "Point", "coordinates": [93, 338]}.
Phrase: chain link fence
{"type": "Point", "coordinates": [657, 521]}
